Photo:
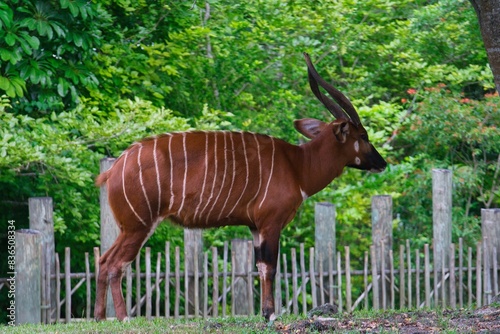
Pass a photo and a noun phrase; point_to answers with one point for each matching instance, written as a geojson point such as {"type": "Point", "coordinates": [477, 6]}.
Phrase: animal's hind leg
{"type": "Point", "coordinates": [127, 246]}
{"type": "Point", "coordinates": [102, 285]}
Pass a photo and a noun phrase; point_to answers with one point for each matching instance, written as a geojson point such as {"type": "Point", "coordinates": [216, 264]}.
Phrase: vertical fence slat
{"type": "Point", "coordinates": [330, 272]}
{"type": "Point", "coordinates": [287, 289]}
{"type": "Point", "coordinates": [167, 279]}
{"type": "Point", "coordinates": [215, 289]}
{"type": "Point", "coordinates": [87, 286]}
{"type": "Point", "coordinates": [233, 281]}
{"type": "Point", "coordinates": [453, 297]}
{"type": "Point", "coordinates": [138, 285]}
{"type": "Point", "coordinates": [417, 279]}
{"type": "Point", "coordinates": [479, 281]}
{"type": "Point", "coordinates": [277, 292]}
{"type": "Point", "coordinates": [427, 276]}
{"type": "Point", "coordinates": [339, 281]}
{"type": "Point", "coordinates": [402, 298]}
{"type": "Point", "coordinates": [157, 284]}
{"type": "Point", "coordinates": [177, 282]}
{"type": "Point", "coordinates": [294, 282]}
{"type": "Point", "coordinates": [205, 285]}
{"type": "Point", "coordinates": [495, 271]}
{"type": "Point", "coordinates": [460, 273]}
{"type": "Point", "coordinates": [58, 285]}
{"type": "Point", "coordinates": [148, 284]}
{"type": "Point", "coordinates": [469, 276]}
{"type": "Point", "coordinates": [186, 284]}
{"type": "Point", "coordinates": [443, 279]}
{"type": "Point", "coordinates": [224, 279]}
{"type": "Point", "coordinates": [382, 276]}
{"type": "Point", "coordinates": [67, 282]}
{"type": "Point", "coordinates": [408, 265]}
{"type": "Point", "coordinates": [303, 281]}
{"type": "Point", "coordinates": [321, 279]}
{"type": "Point", "coordinates": [312, 276]}
{"type": "Point", "coordinates": [348, 279]}
{"type": "Point", "coordinates": [249, 265]}
{"type": "Point", "coordinates": [393, 281]}
{"type": "Point", "coordinates": [365, 279]}
{"type": "Point", "coordinates": [196, 271]}
{"type": "Point", "coordinates": [128, 294]}
{"type": "Point", "coordinates": [375, 284]}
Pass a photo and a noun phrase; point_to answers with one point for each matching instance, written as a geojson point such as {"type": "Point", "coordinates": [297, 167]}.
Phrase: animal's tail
{"type": "Point", "coordinates": [102, 178]}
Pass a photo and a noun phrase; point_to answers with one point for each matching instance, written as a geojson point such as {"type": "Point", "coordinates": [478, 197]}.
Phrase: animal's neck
{"type": "Point", "coordinates": [321, 162]}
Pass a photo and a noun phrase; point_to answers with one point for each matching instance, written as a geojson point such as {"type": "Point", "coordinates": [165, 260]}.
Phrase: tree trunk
{"type": "Point", "coordinates": [488, 13]}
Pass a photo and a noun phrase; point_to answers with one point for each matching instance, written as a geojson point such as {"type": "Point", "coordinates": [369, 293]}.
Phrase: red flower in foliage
{"type": "Point", "coordinates": [412, 91]}
{"type": "Point", "coordinates": [464, 100]}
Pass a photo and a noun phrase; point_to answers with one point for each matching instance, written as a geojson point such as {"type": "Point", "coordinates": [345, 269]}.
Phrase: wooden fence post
{"type": "Point", "coordinates": [324, 236]}
{"type": "Point", "coordinates": [28, 276]}
{"type": "Point", "coordinates": [382, 237]}
{"type": "Point", "coordinates": [241, 298]}
{"type": "Point", "coordinates": [193, 248]}
{"type": "Point", "coordinates": [109, 229]}
{"type": "Point", "coordinates": [490, 227]}
{"type": "Point", "coordinates": [41, 218]}
{"type": "Point", "coordinates": [441, 218]}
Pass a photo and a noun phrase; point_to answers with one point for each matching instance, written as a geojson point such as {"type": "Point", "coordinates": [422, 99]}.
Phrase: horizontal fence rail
{"type": "Point", "coordinates": [157, 285]}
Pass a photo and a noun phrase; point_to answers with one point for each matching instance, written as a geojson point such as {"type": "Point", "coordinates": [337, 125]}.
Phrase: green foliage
{"type": "Point", "coordinates": [82, 80]}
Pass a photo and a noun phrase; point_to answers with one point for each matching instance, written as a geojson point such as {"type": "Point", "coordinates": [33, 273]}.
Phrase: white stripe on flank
{"type": "Point", "coordinates": [246, 171]}
{"type": "Point", "coordinates": [215, 176]}
{"type": "Point", "coordinates": [204, 178]}
{"type": "Point", "coordinates": [223, 177]}
{"type": "Point", "coordinates": [142, 182]}
{"type": "Point", "coordinates": [171, 172]}
{"type": "Point", "coordinates": [157, 175]}
{"type": "Point", "coordinates": [270, 176]}
{"type": "Point", "coordinates": [260, 176]}
{"type": "Point", "coordinates": [232, 180]}
{"type": "Point", "coordinates": [125, 193]}
{"type": "Point", "coordinates": [185, 172]}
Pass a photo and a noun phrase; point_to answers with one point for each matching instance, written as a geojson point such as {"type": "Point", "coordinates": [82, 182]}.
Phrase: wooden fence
{"type": "Point", "coordinates": [410, 280]}
{"type": "Point", "coordinates": [218, 282]}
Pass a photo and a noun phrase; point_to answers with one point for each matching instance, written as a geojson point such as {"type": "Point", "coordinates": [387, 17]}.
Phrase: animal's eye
{"type": "Point", "coordinates": [364, 137]}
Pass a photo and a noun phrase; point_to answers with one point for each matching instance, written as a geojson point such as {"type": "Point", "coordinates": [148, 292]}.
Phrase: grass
{"type": "Point", "coordinates": [243, 324]}
{"type": "Point", "coordinates": [389, 321]}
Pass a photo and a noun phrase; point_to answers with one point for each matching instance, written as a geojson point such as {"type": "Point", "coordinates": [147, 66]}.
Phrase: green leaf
{"type": "Point", "coordinates": [4, 83]}
{"type": "Point", "coordinates": [6, 15]}
{"type": "Point", "coordinates": [10, 39]}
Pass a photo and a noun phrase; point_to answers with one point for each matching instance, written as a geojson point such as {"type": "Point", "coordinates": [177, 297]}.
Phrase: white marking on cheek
{"type": "Point", "coordinates": [356, 146]}
{"type": "Point", "coordinates": [357, 161]}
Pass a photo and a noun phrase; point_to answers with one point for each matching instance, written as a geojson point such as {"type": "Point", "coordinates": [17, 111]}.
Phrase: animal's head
{"type": "Point", "coordinates": [346, 129]}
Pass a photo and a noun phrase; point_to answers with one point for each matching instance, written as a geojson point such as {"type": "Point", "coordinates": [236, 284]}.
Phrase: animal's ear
{"type": "Point", "coordinates": [341, 131]}
{"type": "Point", "coordinates": [309, 127]}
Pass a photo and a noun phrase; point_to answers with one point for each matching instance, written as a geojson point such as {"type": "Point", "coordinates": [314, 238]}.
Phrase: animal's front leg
{"type": "Point", "coordinates": [266, 256]}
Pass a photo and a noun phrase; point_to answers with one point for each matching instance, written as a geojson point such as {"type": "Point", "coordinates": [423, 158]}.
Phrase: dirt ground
{"type": "Point", "coordinates": [483, 320]}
